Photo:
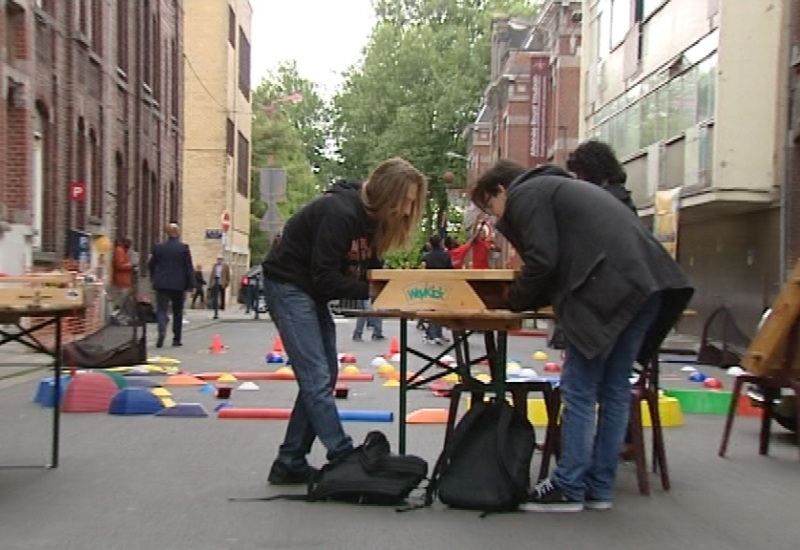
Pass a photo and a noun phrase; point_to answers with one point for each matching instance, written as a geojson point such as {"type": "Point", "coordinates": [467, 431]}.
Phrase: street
{"type": "Point", "coordinates": [137, 482]}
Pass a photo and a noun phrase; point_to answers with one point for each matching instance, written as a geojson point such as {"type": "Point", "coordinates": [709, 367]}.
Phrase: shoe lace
{"type": "Point", "coordinates": [543, 487]}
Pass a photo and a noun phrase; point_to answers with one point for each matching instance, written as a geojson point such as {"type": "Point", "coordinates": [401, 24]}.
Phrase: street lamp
{"type": "Point", "coordinates": [454, 155]}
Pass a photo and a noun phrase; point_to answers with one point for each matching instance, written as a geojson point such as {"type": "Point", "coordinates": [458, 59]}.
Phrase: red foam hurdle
{"type": "Point", "coordinates": [271, 414]}
{"type": "Point", "coordinates": [282, 376]}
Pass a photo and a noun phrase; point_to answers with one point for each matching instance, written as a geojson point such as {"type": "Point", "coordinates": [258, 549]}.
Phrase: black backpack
{"type": "Point", "coordinates": [370, 474]}
{"type": "Point", "coordinates": [486, 463]}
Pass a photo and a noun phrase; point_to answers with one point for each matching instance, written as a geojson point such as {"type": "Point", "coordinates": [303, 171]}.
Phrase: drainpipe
{"type": "Point", "coordinates": [786, 202]}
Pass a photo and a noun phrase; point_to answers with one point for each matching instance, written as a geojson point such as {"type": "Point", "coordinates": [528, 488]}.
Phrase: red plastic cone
{"type": "Point", "coordinates": [278, 345]}
{"type": "Point", "coordinates": [394, 346]}
{"type": "Point", "coordinates": [216, 344]}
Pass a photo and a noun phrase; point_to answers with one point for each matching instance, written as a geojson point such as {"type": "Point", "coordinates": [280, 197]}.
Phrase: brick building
{"type": "Point", "coordinates": [529, 111]}
{"type": "Point", "coordinates": [92, 110]}
{"type": "Point", "coordinates": [216, 165]}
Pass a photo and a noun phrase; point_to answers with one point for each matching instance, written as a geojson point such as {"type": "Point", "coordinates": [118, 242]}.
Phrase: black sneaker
{"type": "Point", "coordinates": [357, 338]}
{"type": "Point", "coordinates": [546, 497]}
{"type": "Point", "coordinates": [279, 474]}
{"type": "Point", "coordinates": [377, 338]}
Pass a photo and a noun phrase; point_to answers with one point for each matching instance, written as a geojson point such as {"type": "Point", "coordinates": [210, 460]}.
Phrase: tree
{"type": "Point", "coordinates": [418, 87]}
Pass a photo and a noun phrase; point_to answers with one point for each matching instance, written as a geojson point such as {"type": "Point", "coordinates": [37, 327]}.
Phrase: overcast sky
{"type": "Point", "coordinates": [323, 36]}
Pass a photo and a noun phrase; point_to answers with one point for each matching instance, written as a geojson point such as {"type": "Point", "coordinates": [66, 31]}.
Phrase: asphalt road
{"type": "Point", "coordinates": [136, 483]}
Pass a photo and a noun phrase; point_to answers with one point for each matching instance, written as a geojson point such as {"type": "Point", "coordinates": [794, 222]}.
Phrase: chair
{"type": "Point", "coordinates": [646, 389]}
{"type": "Point", "coordinates": [722, 343]}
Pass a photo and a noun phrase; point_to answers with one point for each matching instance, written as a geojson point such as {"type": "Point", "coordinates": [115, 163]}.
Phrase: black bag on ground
{"type": "Point", "coordinates": [370, 474]}
{"type": "Point", "coordinates": [486, 464]}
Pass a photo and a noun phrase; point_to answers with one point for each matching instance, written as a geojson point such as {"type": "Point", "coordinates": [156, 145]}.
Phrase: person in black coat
{"type": "Point", "coordinates": [172, 274]}
{"type": "Point", "coordinates": [616, 293]}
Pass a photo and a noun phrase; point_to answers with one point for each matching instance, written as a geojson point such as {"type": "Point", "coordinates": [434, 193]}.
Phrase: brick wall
{"type": "Point", "coordinates": [86, 94]}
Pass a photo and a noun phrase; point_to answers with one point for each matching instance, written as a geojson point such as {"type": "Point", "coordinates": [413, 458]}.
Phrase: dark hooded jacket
{"type": "Point", "coordinates": [327, 247]}
{"type": "Point", "coordinates": [585, 255]}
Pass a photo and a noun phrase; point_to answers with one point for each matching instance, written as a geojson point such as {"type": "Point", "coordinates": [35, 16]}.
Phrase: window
{"type": "Point", "coordinates": [649, 6]}
{"type": "Point", "coordinates": [39, 180]}
{"type": "Point", "coordinates": [706, 80]}
{"type": "Point", "coordinates": [621, 20]}
{"type": "Point", "coordinates": [97, 26]}
{"type": "Point", "coordinates": [231, 27]}
{"type": "Point", "coordinates": [82, 172]}
{"type": "Point", "coordinates": [147, 64]}
{"type": "Point", "coordinates": [95, 183]}
{"type": "Point", "coordinates": [229, 137]}
{"type": "Point", "coordinates": [602, 33]}
{"type": "Point", "coordinates": [243, 162]}
{"type": "Point", "coordinates": [122, 36]}
{"type": "Point", "coordinates": [121, 181]}
{"type": "Point", "coordinates": [244, 65]}
{"type": "Point", "coordinates": [173, 202]}
{"type": "Point", "coordinates": [156, 60]}
{"type": "Point", "coordinates": [176, 79]}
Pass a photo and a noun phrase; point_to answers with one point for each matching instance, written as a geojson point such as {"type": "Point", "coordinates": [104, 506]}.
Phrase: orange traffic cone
{"type": "Point", "coordinates": [394, 346]}
{"type": "Point", "coordinates": [216, 344]}
{"type": "Point", "coordinates": [278, 344]}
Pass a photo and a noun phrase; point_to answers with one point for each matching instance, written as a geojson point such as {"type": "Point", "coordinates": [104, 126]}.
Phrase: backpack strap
{"type": "Point", "coordinates": [450, 446]}
{"type": "Point", "coordinates": [266, 499]}
{"type": "Point", "coordinates": [504, 424]}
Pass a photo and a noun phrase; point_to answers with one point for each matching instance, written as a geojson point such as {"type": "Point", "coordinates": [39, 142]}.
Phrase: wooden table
{"type": "Point", "coordinates": [466, 301]}
{"type": "Point", "coordinates": [45, 307]}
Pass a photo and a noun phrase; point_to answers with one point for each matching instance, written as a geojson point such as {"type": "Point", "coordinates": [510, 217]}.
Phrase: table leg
{"type": "Point", "coordinates": [401, 422]}
{"type": "Point", "coordinates": [57, 396]}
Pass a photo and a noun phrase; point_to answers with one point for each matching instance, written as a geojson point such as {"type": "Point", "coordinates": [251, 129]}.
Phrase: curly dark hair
{"type": "Point", "coordinates": [596, 162]}
{"type": "Point", "coordinates": [502, 173]}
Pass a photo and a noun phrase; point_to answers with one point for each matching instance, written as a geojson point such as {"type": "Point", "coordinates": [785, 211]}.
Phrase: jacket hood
{"type": "Point", "coordinates": [544, 170]}
{"type": "Point", "coordinates": [344, 187]}
{"type": "Point", "coordinates": [352, 191]}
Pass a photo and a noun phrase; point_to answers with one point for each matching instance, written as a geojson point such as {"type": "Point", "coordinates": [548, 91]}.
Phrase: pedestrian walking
{"type": "Point", "coordinates": [311, 266]}
{"type": "Point", "coordinates": [171, 274]}
{"type": "Point", "coordinates": [220, 279]}
{"type": "Point", "coordinates": [616, 292]}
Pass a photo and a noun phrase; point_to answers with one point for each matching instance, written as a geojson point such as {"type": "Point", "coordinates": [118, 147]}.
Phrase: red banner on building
{"type": "Point", "coordinates": [540, 95]}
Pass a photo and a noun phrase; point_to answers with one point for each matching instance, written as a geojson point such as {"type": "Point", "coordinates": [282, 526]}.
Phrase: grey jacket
{"type": "Point", "coordinates": [591, 258]}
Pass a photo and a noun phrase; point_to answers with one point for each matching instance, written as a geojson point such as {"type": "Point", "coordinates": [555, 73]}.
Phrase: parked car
{"type": "Point", "coordinates": [251, 278]}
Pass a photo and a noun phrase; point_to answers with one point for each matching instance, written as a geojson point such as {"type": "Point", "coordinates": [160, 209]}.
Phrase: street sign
{"type": "Point", "coordinates": [213, 234]}
{"type": "Point", "coordinates": [225, 221]}
{"type": "Point", "coordinates": [77, 191]}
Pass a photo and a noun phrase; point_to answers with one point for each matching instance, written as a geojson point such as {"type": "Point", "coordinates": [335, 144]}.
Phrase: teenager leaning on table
{"type": "Point", "coordinates": [616, 293]}
{"type": "Point", "coordinates": [313, 264]}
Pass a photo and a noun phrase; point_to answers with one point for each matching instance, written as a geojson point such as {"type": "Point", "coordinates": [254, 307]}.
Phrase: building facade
{"type": "Point", "coordinates": [692, 94]}
{"type": "Point", "coordinates": [91, 128]}
{"type": "Point", "coordinates": [218, 137]}
{"type": "Point", "coordinates": [529, 110]}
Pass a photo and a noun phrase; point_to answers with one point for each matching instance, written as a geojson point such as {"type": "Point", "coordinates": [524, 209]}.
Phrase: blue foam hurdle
{"type": "Point", "coordinates": [130, 401]}
{"type": "Point", "coordinates": [45, 391]}
{"type": "Point", "coordinates": [366, 416]}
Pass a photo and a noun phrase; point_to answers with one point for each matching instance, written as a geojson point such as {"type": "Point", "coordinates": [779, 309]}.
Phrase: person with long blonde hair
{"type": "Point", "coordinates": [324, 254]}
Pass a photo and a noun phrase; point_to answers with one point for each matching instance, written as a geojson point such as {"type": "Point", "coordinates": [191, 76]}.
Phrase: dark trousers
{"type": "Point", "coordinates": [163, 299]}
{"type": "Point", "coordinates": [198, 294]}
{"type": "Point", "coordinates": [218, 296]}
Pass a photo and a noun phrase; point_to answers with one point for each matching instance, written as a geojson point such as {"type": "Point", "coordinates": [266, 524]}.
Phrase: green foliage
{"type": "Point", "coordinates": [416, 89]}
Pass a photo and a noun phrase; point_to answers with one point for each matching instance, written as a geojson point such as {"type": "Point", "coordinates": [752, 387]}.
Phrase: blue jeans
{"type": "Point", "coordinates": [589, 457]}
{"type": "Point", "coordinates": [433, 331]}
{"type": "Point", "coordinates": [309, 337]}
{"type": "Point", "coordinates": [375, 322]}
